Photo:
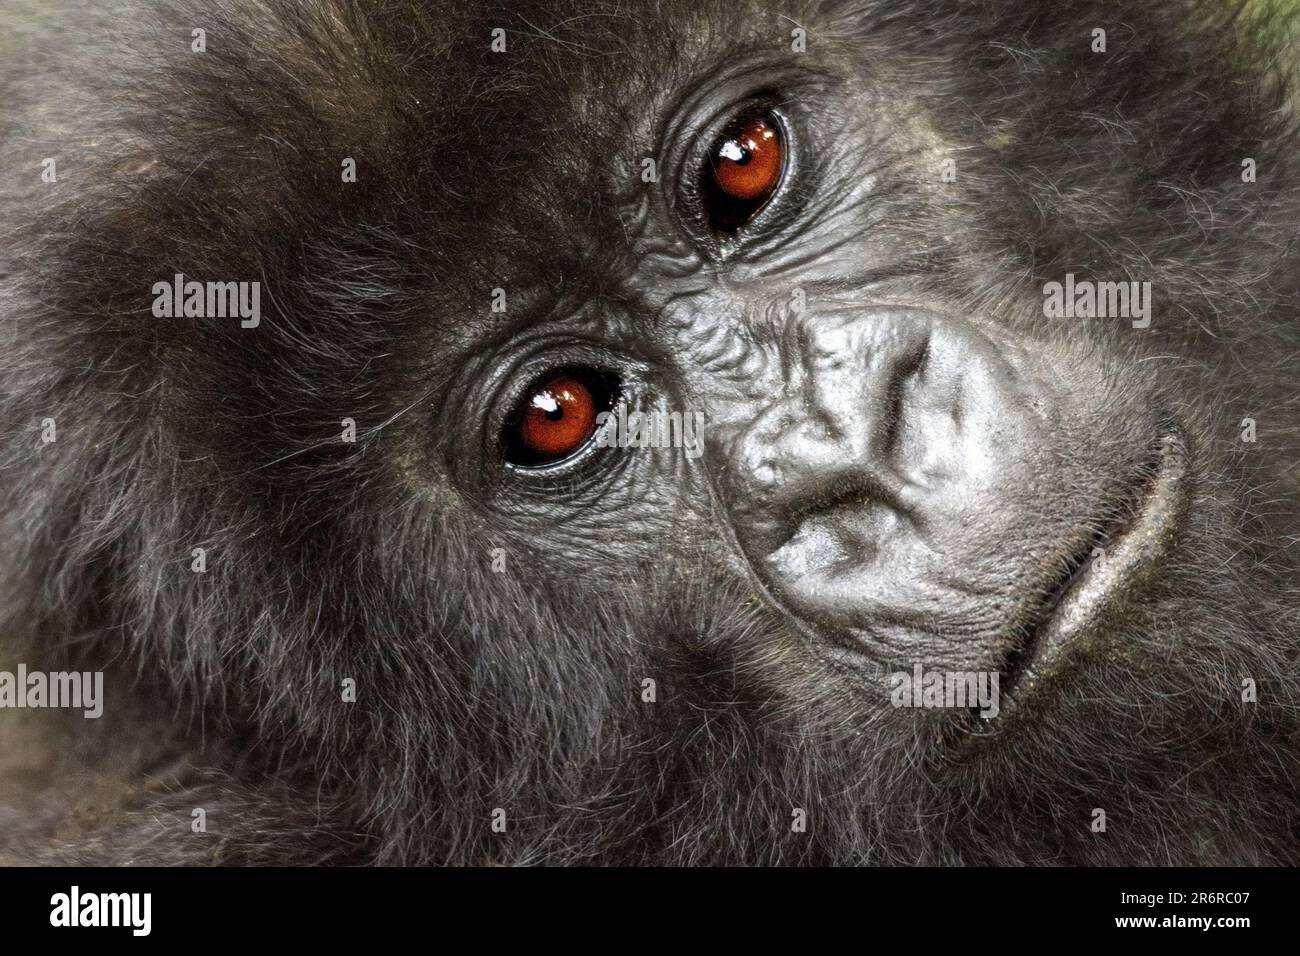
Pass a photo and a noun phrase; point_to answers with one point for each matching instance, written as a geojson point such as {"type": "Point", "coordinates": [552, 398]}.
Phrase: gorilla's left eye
{"type": "Point", "coordinates": [744, 169]}
{"type": "Point", "coordinates": [557, 417]}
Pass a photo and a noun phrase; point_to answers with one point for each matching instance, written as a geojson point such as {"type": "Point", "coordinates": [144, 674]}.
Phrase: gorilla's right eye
{"type": "Point", "coordinates": [745, 168]}
{"type": "Point", "coordinates": [557, 417]}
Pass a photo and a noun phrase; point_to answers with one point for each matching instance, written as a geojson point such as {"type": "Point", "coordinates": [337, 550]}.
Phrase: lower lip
{"type": "Point", "coordinates": [1127, 567]}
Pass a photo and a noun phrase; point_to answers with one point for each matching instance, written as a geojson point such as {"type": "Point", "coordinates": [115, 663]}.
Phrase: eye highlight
{"type": "Point", "coordinates": [557, 418]}
{"type": "Point", "coordinates": [745, 167]}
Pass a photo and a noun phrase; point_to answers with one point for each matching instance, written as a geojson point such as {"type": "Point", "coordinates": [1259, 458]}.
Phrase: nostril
{"type": "Point", "coordinates": [843, 536]}
{"type": "Point", "coordinates": [769, 520]}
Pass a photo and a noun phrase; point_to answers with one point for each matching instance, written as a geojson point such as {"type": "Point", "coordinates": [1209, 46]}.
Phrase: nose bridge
{"type": "Point", "coordinates": [840, 358]}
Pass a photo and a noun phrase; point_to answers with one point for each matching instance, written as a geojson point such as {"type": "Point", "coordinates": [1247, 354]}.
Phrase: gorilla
{"type": "Point", "coordinates": [581, 432]}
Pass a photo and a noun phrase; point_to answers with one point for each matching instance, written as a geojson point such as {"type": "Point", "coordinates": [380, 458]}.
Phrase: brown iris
{"type": "Point", "coordinates": [558, 418]}
{"type": "Point", "coordinates": [745, 169]}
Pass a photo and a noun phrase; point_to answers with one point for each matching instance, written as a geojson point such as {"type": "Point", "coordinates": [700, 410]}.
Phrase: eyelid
{"type": "Point", "coordinates": [540, 350]}
{"type": "Point", "coordinates": [685, 193]}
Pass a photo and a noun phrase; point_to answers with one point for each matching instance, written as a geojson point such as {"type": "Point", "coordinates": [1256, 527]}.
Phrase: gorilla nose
{"type": "Point", "coordinates": [828, 436]}
{"type": "Point", "coordinates": [864, 482]}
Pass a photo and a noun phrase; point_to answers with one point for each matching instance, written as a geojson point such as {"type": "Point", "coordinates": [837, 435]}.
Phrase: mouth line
{"type": "Point", "coordinates": [1134, 546]}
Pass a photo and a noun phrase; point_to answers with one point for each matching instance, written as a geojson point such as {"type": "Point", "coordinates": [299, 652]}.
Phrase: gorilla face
{"type": "Point", "coordinates": [896, 476]}
{"type": "Point", "coordinates": [835, 256]}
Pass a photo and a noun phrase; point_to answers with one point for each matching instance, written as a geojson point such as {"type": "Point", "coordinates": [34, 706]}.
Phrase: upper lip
{"type": "Point", "coordinates": [1133, 547]}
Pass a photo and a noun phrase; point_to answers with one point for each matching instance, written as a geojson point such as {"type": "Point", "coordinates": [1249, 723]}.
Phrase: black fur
{"type": "Point", "coordinates": [372, 560]}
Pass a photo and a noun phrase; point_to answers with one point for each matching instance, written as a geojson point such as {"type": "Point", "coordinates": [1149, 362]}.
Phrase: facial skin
{"type": "Point", "coordinates": [641, 656]}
